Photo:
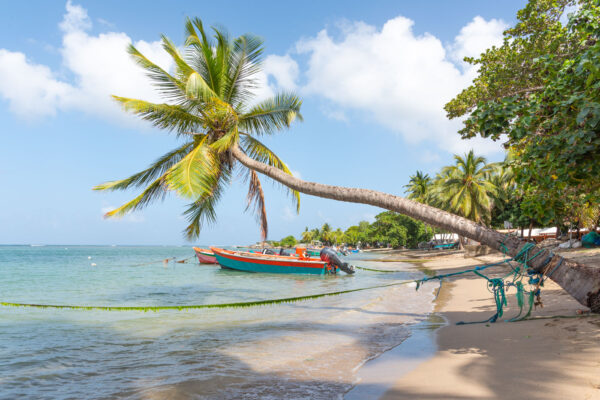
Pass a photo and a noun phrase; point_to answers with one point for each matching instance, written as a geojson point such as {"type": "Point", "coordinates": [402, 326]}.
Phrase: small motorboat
{"type": "Point", "coordinates": [205, 256]}
{"type": "Point", "coordinates": [272, 263]}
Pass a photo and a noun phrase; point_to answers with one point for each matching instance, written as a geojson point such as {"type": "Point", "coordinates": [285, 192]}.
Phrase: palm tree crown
{"type": "Point", "coordinates": [466, 188]}
{"type": "Point", "coordinates": [209, 104]}
{"type": "Point", "coordinates": [418, 187]}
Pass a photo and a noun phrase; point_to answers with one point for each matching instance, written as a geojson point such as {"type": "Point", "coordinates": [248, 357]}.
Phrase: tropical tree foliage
{"type": "Point", "coordinates": [288, 241]}
{"type": "Point", "coordinates": [466, 188]}
{"type": "Point", "coordinates": [419, 187]}
{"type": "Point", "coordinates": [388, 229]}
{"type": "Point", "coordinates": [540, 92]}
{"type": "Point", "coordinates": [210, 105]}
{"type": "Point", "coordinates": [307, 236]}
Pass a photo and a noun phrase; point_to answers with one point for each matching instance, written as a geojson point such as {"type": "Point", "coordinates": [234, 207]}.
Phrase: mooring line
{"type": "Point", "coordinates": [200, 306]}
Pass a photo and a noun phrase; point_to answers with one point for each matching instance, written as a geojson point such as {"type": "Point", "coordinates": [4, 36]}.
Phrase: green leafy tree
{"type": "Point", "coordinates": [352, 236]}
{"type": "Point", "coordinates": [209, 105]}
{"type": "Point", "coordinates": [540, 93]}
{"type": "Point", "coordinates": [397, 230]}
{"type": "Point", "coordinates": [337, 236]}
{"type": "Point", "coordinates": [288, 241]}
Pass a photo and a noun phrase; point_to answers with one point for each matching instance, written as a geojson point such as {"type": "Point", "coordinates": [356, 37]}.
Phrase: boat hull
{"type": "Point", "coordinates": [205, 256]}
{"type": "Point", "coordinates": [268, 264]}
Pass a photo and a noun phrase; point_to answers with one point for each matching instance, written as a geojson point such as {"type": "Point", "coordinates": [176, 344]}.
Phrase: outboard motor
{"type": "Point", "coordinates": [283, 252]}
{"type": "Point", "coordinates": [268, 251]}
{"type": "Point", "coordinates": [331, 257]}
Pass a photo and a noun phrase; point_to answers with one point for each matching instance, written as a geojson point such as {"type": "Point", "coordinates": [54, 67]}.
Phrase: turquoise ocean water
{"type": "Point", "coordinates": [308, 349]}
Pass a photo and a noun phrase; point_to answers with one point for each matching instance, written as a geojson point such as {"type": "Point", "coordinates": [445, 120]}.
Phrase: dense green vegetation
{"type": "Point", "coordinates": [388, 229]}
{"type": "Point", "coordinates": [540, 93]}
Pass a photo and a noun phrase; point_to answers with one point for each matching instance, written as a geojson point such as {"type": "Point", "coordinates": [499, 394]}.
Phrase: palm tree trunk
{"type": "Point", "coordinates": [580, 281]}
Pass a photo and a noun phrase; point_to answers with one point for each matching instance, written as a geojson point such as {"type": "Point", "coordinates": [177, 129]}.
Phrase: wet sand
{"type": "Point", "coordinates": [551, 358]}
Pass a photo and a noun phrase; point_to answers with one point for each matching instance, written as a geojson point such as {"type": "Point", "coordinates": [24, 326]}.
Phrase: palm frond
{"type": "Point", "coordinates": [256, 198]}
{"type": "Point", "coordinates": [245, 63]}
{"type": "Point", "coordinates": [159, 167]}
{"type": "Point", "coordinates": [196, 87]}
{"type": "Point", "coordinates": [273, 114]}
{"type": "Point", "coordinates": [221, 53]}
{"type": "Point", "coordinates": [226, 141]}
{"type": "Point", "coordinates": [202, 211]}
{"type": "Point", "coordinates": [167, 84]}
{"type": "Point", "coordinates": [196, 174]}
{"type": "Point", "coordinates": [154, 191]}
{"type": "Point", "coordinates": [201, 54]}
{"type": "Point", "coordinates": [165, 116]}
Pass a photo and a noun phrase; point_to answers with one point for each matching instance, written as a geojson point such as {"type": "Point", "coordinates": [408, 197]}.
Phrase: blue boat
{"type": "Point", "coordinates": [446, 246]}
{"type": "Point", "coordinates": [275, 264]}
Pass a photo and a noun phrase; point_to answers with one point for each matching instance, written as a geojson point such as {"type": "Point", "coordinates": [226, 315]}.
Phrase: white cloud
{"type": "Point", "coordinates": [399, 79]}
{"type": "Point", "coordinates": [477, 36]}
{"type": "Point", "coordinates": [284, 73]}
{"type": "Point", "coordinates": [31, 89]}
{"type": "Point", "coordinates": [284, 70]}
{"type": "Point", "coordinates": [99, 66]}
{"type": "Point", "coordinates": [76, 18]}
{"type": "Point", "coordinates": [394, 77]}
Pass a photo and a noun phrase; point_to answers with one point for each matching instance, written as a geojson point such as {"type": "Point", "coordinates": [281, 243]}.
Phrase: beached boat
{"type": "Point", "coordinates": [205, 256]}
{"type": "Point", "coordinates": [251, 262]}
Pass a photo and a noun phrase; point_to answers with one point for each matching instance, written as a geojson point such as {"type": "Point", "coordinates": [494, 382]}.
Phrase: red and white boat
{"type": "Point", "coordinates": [205, 256]}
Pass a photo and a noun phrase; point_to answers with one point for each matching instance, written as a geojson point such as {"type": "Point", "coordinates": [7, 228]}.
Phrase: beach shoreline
{"type": "Point", "coordinates": [549, 358]}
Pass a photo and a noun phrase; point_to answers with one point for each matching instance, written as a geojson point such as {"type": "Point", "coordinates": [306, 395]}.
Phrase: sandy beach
{"type": "Point", "coordinates": [550, 358]}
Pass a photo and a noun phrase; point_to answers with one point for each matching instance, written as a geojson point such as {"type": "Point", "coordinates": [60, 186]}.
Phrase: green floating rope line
{"type": "Point", "coordinates": [379, 270]}
{"type": "Point", "coordinates": [201, 306]}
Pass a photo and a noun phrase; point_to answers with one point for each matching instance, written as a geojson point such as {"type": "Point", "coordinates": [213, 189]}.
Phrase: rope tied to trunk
{"type": "Point", "coordinates": [519, 274]}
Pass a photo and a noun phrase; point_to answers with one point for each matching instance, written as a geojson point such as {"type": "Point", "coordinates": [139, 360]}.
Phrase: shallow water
{"type": "Point", "coordinates": [308, 349]}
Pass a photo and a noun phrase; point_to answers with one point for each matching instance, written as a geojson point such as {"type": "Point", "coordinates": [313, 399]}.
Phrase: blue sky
{"type": "Point", "coordinates": [373, 77]}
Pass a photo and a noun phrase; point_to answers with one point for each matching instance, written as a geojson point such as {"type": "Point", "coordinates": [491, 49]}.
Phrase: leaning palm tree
{"type": "Point", "coordinates": [418, 188]}
{"type": "Point", "coordinates": [210, 106]}
{"type": "Point", "coordinates": [208, 101]}
{"type": "Point", "coordinates": [466, 188]}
